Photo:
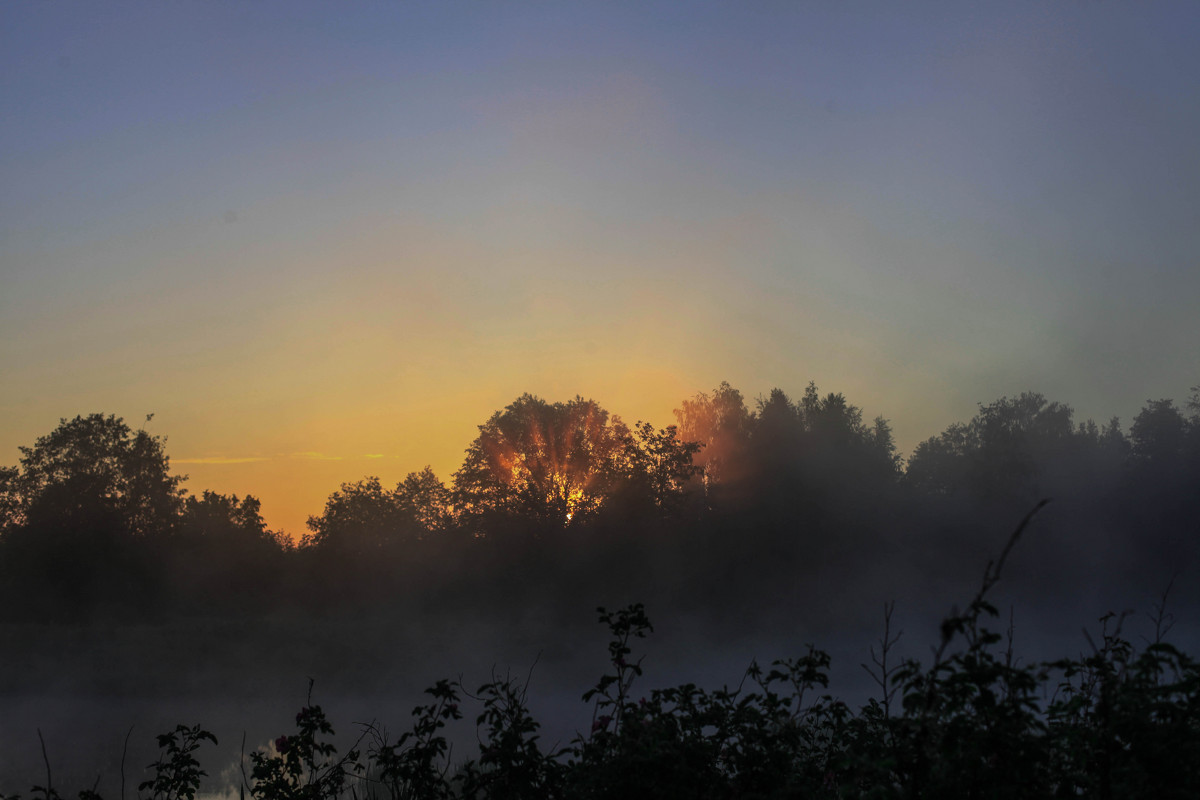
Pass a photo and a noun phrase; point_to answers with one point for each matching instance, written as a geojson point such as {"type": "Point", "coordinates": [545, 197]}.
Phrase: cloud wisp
{"type": "Point", "coordinates": [220, 460]}
{"type": "Point", "coordinates": [312, 455]}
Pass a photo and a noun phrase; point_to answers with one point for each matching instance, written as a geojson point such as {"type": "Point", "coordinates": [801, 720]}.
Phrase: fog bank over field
{"type": "Point", "coordinates": [749, 531]}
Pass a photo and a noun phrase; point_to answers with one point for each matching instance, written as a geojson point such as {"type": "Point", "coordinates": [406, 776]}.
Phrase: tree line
{"type": "Point", "coordinates": [562, 497]}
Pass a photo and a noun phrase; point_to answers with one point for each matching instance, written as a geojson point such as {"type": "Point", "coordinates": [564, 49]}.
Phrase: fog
{"type": "Point", "coordinates": [131, 607]}
{"type": "Point", "coordinates": [86, 686]}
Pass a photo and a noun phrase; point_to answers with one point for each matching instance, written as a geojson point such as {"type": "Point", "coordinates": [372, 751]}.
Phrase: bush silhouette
{"type": "Point", "coordinates": [972, 722]}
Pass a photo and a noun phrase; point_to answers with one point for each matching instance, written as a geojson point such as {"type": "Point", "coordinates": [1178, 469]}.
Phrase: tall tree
{"type": "Point", "coordinates": [552, 462]}
{"type": "Point", "coordinates": [10, 505]}
{"type": "Point", "coordinates": [1158, 433]}
{"type": "Point", "coordinates": [657, 468]}
{"type": "Point", "coordinates": [96, 465]}
{"type": "Point", "coordinates": [1017, 449]}
{"type": "Point", "coordinates": [426, 500]}
{"type": "Point", "coordinates": [936, 466]}
{"type": "Point", "coordinates": [222, 556]}
{"type": "Point", "coordinates": [225, 521]}
{"type": "Point", "coordinates": [720, 422]}
{"type": "Point", "coordinates": [363, 517]}
{"type": "Point", "coordinates": [840, 447]}
{"type": "Point", "coordinates": [87, 508]}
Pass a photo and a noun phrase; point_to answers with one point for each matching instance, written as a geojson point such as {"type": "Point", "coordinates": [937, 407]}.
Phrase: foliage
{"type": "Point", "coordinates": [94, 464]}
{"type": "Point", "coordinates": [558, 464]}
{"type": "Point", "coordinates": [177, 772]}
{"type": "Point", "coordinates": [94, 526]}
{"type": "Point", "coordinates": [511, 763]}
{"type": "Point", "coordinates": [92, 518]}
{"type": "Point", "coordinates": [364, 518]}
{"type": "Point", "coordinates": [223, 520]}
{"type": "Point", "coordinates": [972, 722]}
{"type": "Point", "coordinates": [720, 422]}
{"type": "Point", "coordinates": [1158, 431]}
{"type": "Point", "coordinates": [415, 767]}
{"type": "Point", "coordinates": [1000, 453]}
{"type": "Point", "coordinates": [542, 462]}
{"type": "Point", "coordinates": [656, 469]}
{"type": "Point", "coordinates": [303, 765]}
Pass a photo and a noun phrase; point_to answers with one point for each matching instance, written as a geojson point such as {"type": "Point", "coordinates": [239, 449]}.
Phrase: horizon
{"type": "Point", "coordinates": [286, 509]}
{"type": "Point", "coordinates": [320, 244]}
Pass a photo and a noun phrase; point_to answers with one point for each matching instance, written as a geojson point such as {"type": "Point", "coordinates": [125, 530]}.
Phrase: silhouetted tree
{"type": "Point", "coordinates": [1158, 433]}
{"type": "Point", "coordinates": [935, 467]}
{"type": "Point", "coordinates": [1017, 440]}
{"type": "Point", "coordinates": [427, 499]}
{"type": "Point", "coordinates": [1192, 435]}
{"type": "Point", "coordinates": [10, 504]}
{"type": "Point", "coordinates": [86, 509]}
{"type": "Point", "coordinates": [222, 556]}
{"type": "Point", "coordinates": [360, 516]}
{"type": "Point", "coordinates": [1164, 473]}
{"type": "Point", "coordinates": [720, 422]}
{"type": "Point", "coordinates": [542, 462]}
{"type": "Point", "coordinates": [819, 445]}
{"type": "Point", "coordinates": [1011, 450]}
{"type": "Point", "coordinates": [656, 468]}
{"type": "Point", "coordinates": [843, 446]}
{"type": "Point", "coordinates": [95, 463]}
{"type": "Point", "coordinates": [225, 521]}
{"type": "Point", "coordinates": [778, 431]}
{"type": "Point", "coordinates": [363, 517]}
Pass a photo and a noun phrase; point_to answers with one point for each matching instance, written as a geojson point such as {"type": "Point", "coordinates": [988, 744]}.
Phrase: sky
{"type": "Point", "coordinates": [320, 241]}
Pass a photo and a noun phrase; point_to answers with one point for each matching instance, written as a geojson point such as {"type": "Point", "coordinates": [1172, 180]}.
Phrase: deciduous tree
{"type": "Point", "coordinates": [551, 462]}
{"type": "Point", "coordinates": [95, 465]}
{"type": "Point", "coordinates": [364, 517]}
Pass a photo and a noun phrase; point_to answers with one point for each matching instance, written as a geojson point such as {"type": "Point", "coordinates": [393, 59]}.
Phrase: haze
{"type": "Point", "coordinates": [320, 241]}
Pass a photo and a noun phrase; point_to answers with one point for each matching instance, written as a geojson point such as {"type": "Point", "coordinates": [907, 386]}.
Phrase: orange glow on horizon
{"type": "Point", "coordinates": [300, 460]}
{"type": "Point", "coordinates": [547, 463]}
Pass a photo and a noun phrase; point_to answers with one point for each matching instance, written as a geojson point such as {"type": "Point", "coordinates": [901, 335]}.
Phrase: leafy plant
{"type": "Point", "coordinates": [972, 721]}
{"type": "Point", "coordinates": [416, 766]}
{"type": "Point", "coordinates": [177, 773]}
{"type": "Point", "coordinates": [304, 765]}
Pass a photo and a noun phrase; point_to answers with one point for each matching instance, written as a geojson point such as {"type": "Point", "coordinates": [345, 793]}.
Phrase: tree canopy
{"type": "Point", "coordinates": [363, 517]}
{"type": "Point", "coordinates": [94, 465]}
{"type": "Point", "coordinates": [1014, 449]}
{"type": "Point", "coordinates": [92, 514]}
{"type": "Point", "coordinates": [559, 463]}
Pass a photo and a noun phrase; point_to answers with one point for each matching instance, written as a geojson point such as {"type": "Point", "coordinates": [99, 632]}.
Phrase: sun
{"type": "Point", "coordinates": [557, 462]}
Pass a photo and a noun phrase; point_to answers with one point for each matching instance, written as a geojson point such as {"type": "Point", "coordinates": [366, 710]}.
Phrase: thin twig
{"type": "Point", "coordinates": [881, 674]}
{"type": "Point", "coordinates": [992, 575]}
{"type": "Point", "coordinates": [46, 761]}
{"type": "Point", "coordinates": [242, 766]}
{"type": "Point", "coordinates": [124, 751]}
{"type": "Point", "coordinates": [956, 623]}
{"type": "Point", "coordinates": [1162, 619]}
{"type": "Point", "coordinates": [529, 675]}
